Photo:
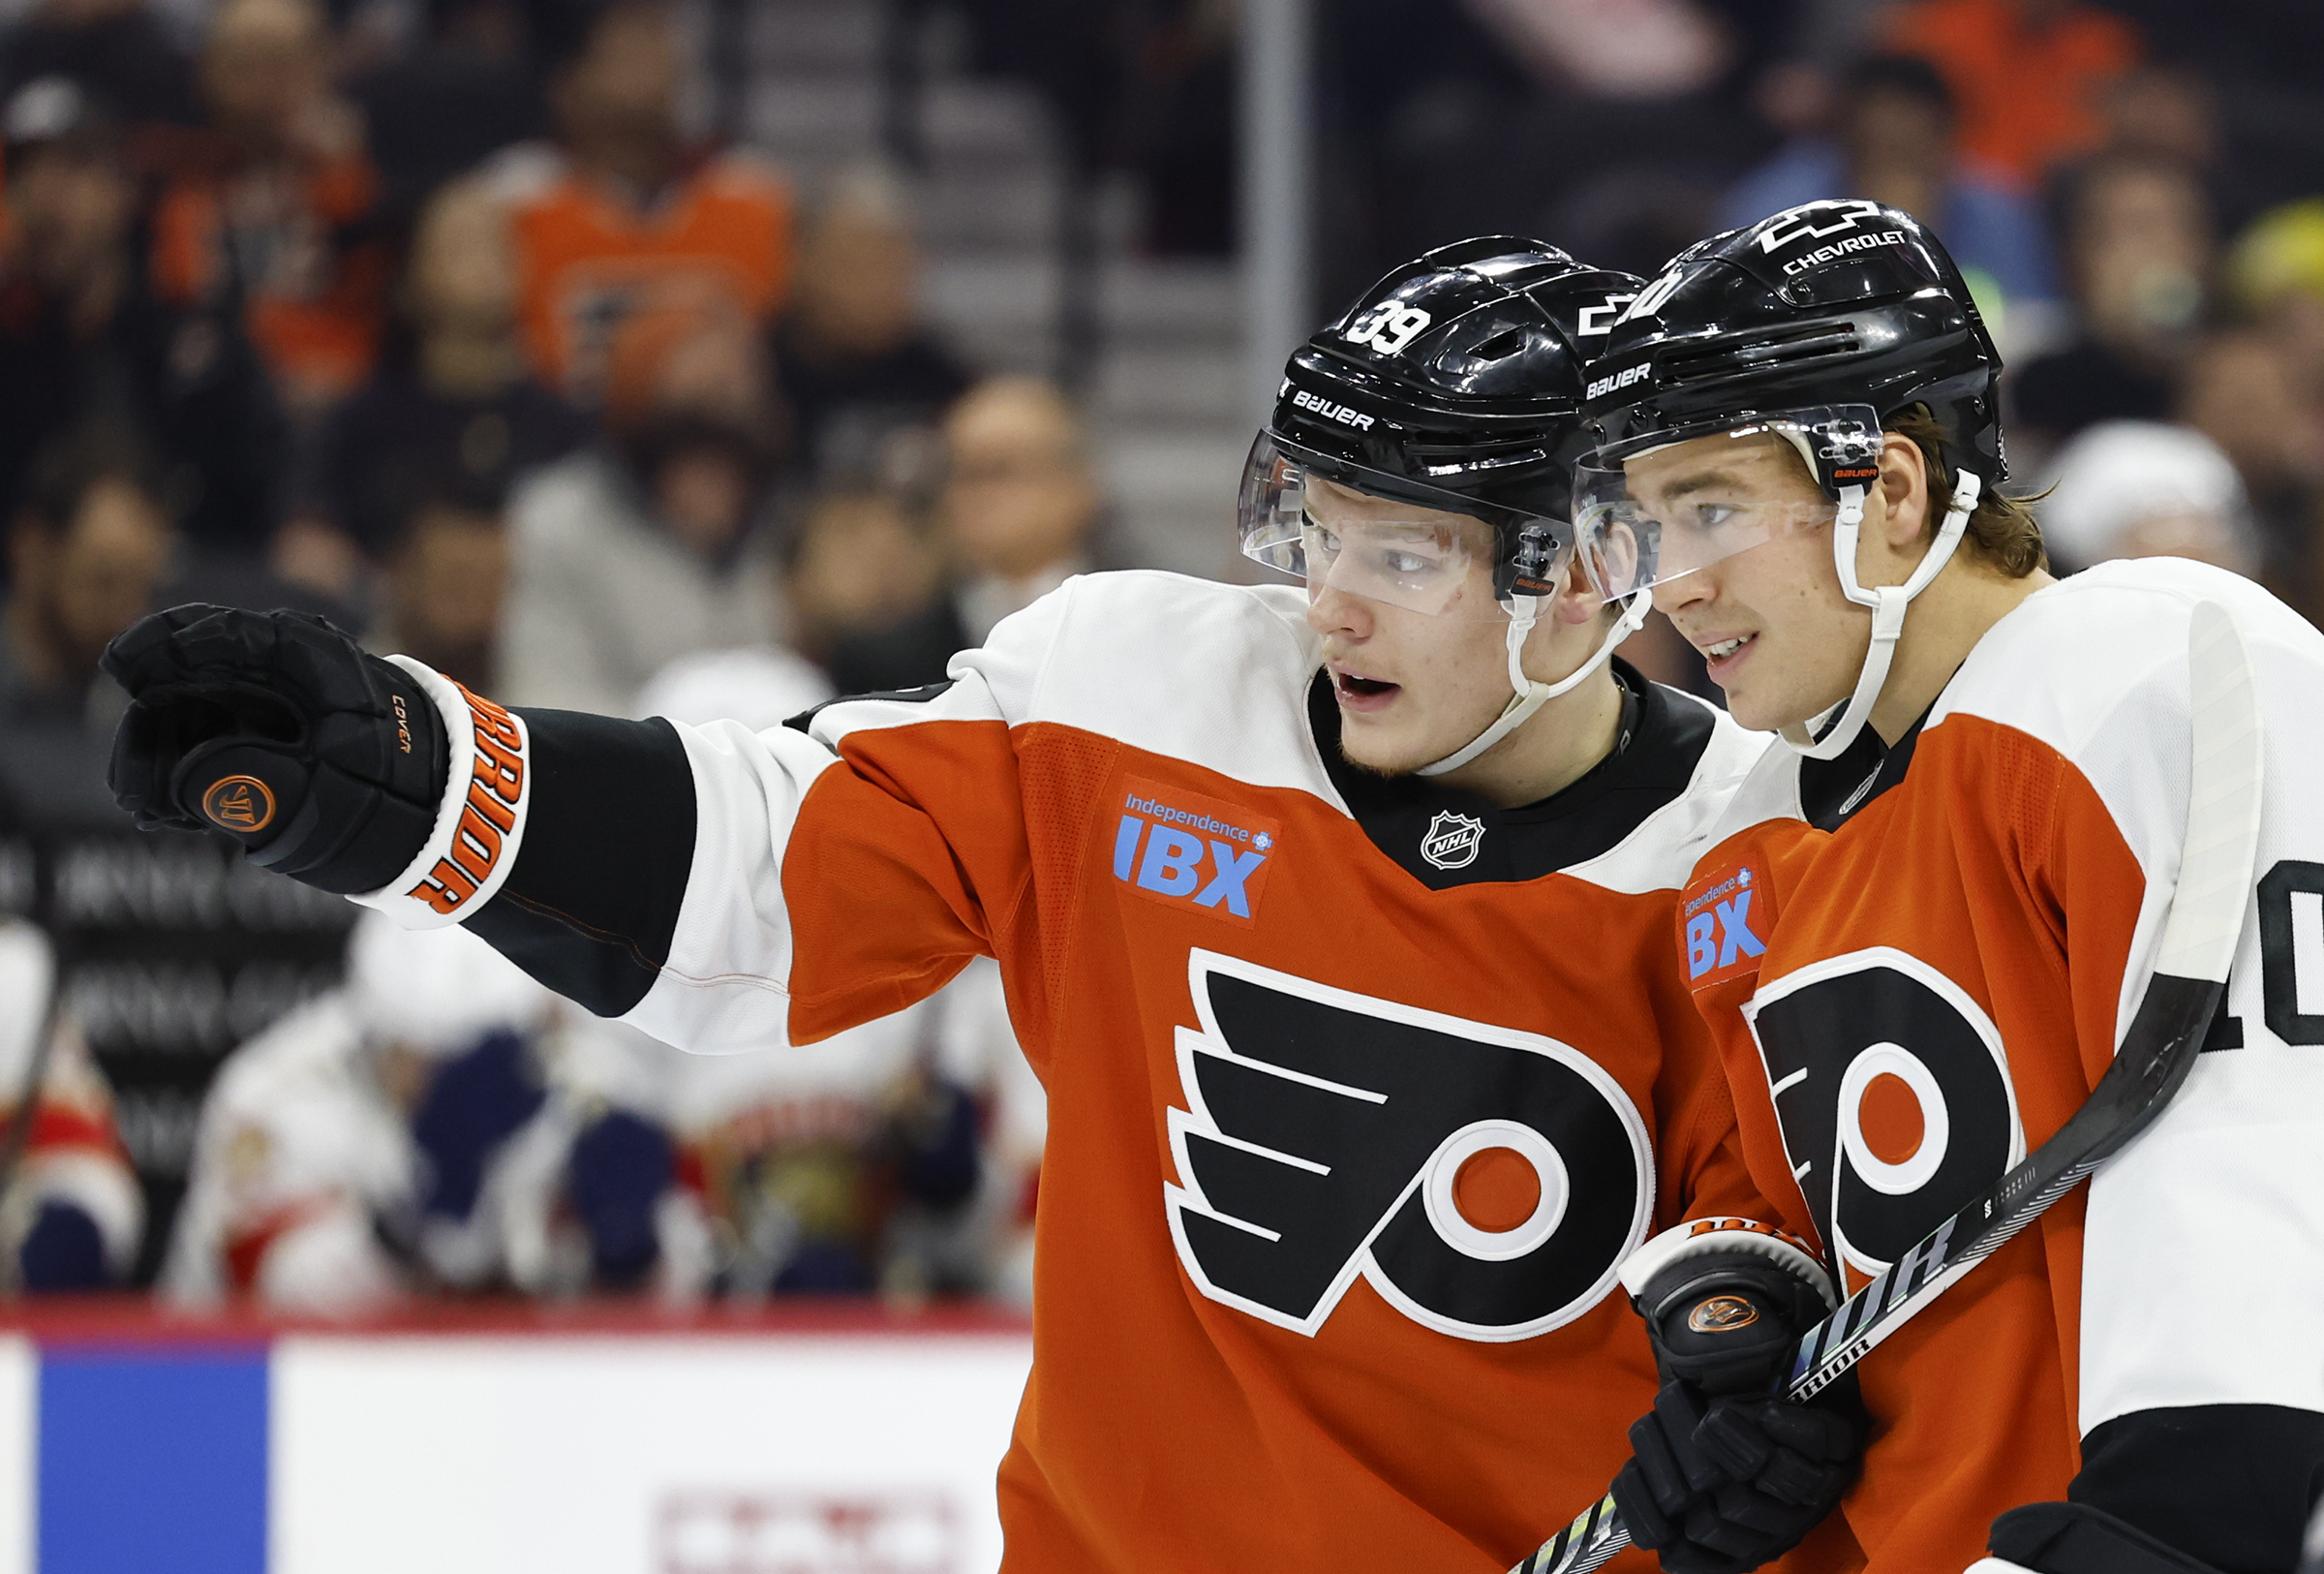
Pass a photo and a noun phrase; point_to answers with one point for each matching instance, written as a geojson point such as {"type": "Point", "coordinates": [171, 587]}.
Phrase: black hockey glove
{"type": "Point", "coordinates": [326, 762]}
{"type": "Point", "coordinates": [2075, 1538]}
{"type": "Point", "coordinates": [1726, 1486]}
{"type": "Point", "coordinates": [1725, 1474]}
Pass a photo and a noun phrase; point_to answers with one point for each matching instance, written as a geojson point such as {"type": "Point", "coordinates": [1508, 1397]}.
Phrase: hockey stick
{"type": "Point", "coordinates": [2166, 1034]}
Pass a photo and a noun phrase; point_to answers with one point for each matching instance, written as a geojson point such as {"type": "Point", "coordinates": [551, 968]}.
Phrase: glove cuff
{"type": "Point", "coordinates": [480, 823]}
{"type": "Point", "coordinates": [1724, 1238]}
{"type": "Point", "coordinates": [2075, 1538]}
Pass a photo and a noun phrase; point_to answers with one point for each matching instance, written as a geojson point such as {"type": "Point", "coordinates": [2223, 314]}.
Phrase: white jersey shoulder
{"type": "Point", "coordinates": [2094, 666]}
{"type": "Point", "coordinates": [1661, 852]}
{"type": "Point", "coordinates": [2081, 659]}
{"type": "Point", "coordinates": [1769, 789]}
{"type": "Point", "coordinates": [2226, 1182]}
{"type": "Point", "coordinates": [1217, 675]}
{"type": "Point", "coordinates": [1212, 674]}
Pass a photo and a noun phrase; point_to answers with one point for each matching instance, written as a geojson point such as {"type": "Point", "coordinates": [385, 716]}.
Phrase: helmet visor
{"type": "Point", "coordinates": [1656, 507]}
{"type": "Point", "coordinates": [1343, 527]}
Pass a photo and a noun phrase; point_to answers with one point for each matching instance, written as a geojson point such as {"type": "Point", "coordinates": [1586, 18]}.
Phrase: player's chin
{"type": "Point", "coordinates": [1757, 711]}
{"type": "Point", "coordinates": [1762, 709]}
{"type": "Point", "coordinates": [1380, 746]}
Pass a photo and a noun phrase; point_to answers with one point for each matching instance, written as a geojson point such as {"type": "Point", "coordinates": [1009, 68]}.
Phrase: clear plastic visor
{"type": "Point", "coordinates": [1340, 527]}
{"type": "Point", "coordinates": [1650, 511]}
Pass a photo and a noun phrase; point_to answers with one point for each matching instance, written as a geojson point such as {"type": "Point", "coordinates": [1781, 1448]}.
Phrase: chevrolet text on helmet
{"type": "Point", "coordinates": [1454, 385]}
{"type": "Point", "coordinates": [1817, 325]}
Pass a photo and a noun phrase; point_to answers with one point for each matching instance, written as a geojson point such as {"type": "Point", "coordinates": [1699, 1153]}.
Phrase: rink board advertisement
{"type": "Point", "coordinates": [489, 1452]}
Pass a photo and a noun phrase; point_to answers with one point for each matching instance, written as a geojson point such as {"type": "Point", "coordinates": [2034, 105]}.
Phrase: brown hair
{"type": "Point", "coordinates": [2002, 532]}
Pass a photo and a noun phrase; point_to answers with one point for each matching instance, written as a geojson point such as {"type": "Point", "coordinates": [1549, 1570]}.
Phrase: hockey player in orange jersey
{"type": "Point", "coordinates": [1335, 920]}
{"type": "Point", "coordinates": [1930, 915]}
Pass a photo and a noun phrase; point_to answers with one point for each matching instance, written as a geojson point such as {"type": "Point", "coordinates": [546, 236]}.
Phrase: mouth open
{"type": "Point", "coordinates": [1723, 655]}
{"type": "Point", "coordinates": [1362, 693]}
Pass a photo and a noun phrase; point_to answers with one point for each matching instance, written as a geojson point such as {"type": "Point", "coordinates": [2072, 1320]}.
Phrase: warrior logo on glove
{"type": "Point", "coordinates": [1487, 1183]}
{"type": "Point", "coordinates": [239, 803]}
{"type": "Point", "coordinates": [1723, 1315]}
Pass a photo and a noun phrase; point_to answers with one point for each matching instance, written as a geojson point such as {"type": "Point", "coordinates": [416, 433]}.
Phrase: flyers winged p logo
{"type": "Point", "coordinates": [1323, 1138]}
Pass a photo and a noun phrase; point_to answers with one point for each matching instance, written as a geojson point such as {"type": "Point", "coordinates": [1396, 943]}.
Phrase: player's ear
{"type": "Point", "coordinates": [1578, 600]}
{"type": "Point", "coordinates": [1904, 484]}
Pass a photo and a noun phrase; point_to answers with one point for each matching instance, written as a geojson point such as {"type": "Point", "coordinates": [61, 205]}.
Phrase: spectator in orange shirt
{"type": "Point", "coordinates": [2027, 74]}
{"type": "Point", "coordinates": [273, 203]}
{"type": "Point", "coordinates": [619, 213]}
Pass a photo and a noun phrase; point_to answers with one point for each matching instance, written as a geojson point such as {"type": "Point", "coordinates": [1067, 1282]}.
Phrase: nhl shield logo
{"type": "Point", "coordinates": [1452, 840]}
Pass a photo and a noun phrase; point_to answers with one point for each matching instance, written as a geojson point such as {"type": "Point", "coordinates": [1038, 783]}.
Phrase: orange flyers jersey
{"type": "Point", "coordinates": [1352, 1113]}
{"type": "Point", "coordinates": [589, 262]}
{"type": "Point", "coordinates": [1909, 1003]}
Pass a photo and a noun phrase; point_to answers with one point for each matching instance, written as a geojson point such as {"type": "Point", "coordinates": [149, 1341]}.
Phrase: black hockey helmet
{"type": "Point", "coordinates": [1817, 325]}
{"type": "Point", "coordinates": [1453, 384]}
{"type": "Point", "coordinates": [1834, 304]}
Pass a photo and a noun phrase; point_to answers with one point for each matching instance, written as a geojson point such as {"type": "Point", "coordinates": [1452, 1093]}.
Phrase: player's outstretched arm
{"type": "Point", "coordinates": [641, 869]}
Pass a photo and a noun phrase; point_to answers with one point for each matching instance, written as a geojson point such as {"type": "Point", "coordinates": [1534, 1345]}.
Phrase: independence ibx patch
{"type": "Point", "coordinates": [1724, 920]}
{"type": "Point", "coordinates": [1192, 850]}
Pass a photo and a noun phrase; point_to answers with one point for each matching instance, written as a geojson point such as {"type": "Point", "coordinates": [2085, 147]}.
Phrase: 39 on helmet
{"type": "Point", "coordinates": [1817, 325]}
{"type": "Point", "coordinates": [1432, 427]}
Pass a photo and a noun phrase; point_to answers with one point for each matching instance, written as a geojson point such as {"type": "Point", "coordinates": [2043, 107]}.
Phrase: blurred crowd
{"type": "Point", "coordinates": [462, 336]}
{"type": "Point", "coordinates": [2133, 188]}
{"type": "Point", "coordinates": [446, 320]}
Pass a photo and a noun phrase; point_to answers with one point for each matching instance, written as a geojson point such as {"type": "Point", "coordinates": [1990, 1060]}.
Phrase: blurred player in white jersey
{"type": "Point", "coordinates": [71, 1213]}
{"type": "Point", "coordinates": [440, 1122]}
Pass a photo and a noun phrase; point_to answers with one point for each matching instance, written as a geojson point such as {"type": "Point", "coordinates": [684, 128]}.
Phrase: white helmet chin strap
{"type": "Point", "coordinates": [1822, 738]}
{"type": "Point", "coordinates": [1531, 696]}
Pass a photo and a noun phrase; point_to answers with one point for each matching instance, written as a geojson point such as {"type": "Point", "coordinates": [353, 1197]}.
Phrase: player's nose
{"type": "Point", "coordinates": [1687, 590]}
{"type": "Point", "coordinates": [1332, 611]}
